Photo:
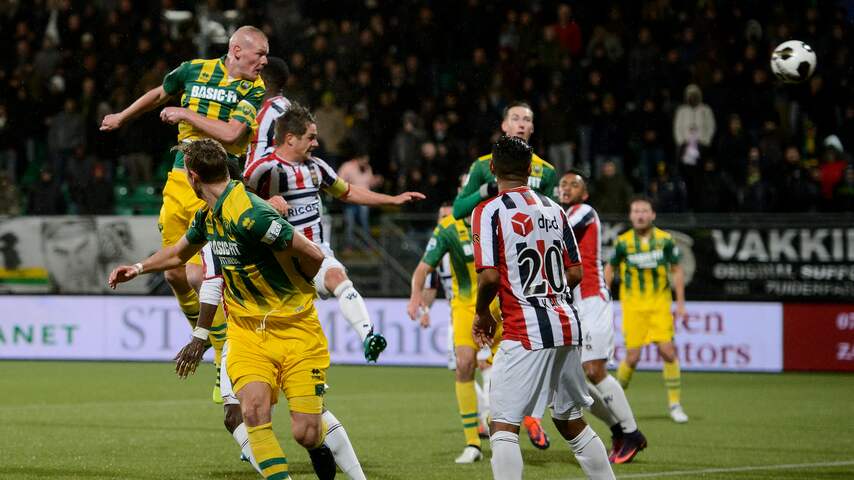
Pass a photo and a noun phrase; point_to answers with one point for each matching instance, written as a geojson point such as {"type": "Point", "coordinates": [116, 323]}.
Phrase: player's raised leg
{"type": "Point", "coordinates": [352, 306]}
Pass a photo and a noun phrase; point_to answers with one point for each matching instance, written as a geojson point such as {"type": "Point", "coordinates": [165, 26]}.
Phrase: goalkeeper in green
{"type": "Point", "coordinates": [518, 121]}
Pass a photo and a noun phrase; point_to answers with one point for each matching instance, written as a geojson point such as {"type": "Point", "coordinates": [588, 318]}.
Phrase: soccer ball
{"type": "Point", "coordinates": [793, 61]}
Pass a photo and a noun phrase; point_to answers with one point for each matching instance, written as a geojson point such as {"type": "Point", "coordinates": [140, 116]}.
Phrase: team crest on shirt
{"type": "Point", "coordinates": [537, 170]}
{"type": "Point", "coordinates": [313, 175]}
{"type": "Point", "coordinates": [245, 85]}
{"type": "Point", "coordinates": [522, 224]}
{"type": "Point", "coordinates": [248, 223]}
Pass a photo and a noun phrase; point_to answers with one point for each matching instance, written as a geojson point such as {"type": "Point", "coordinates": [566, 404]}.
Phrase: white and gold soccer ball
{"type": "Point", "coordinates": [793, 61]}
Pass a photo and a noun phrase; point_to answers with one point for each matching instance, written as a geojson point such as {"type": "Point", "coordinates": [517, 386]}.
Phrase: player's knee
{"type": "Point", "coordinates": [595, 371]}
{"type": "Point", "coordinates": [195, 276]}
{"type": "Point", "coordinates": [307, 434]}
{"type": "Point", "coordinates": [177, 279]}
{"type": "Point", "coordinates": [570, 429]}
{"type": "Point", "coordinates": [466, 363]}
{"type": "Point", "coordinates": [632, 357]}
{"type": "Point", "coordinates": [254, 411]}
{"type": "Point", "coordinates": [333, 278]}
{"type": "Point", "coordinates": [233, 417]}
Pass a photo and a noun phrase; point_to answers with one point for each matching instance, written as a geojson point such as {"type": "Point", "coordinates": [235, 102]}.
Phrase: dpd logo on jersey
{"type": "Point", "coordinates": [522, 224]}
{"type": "Point", "coordinates": [547, 223]}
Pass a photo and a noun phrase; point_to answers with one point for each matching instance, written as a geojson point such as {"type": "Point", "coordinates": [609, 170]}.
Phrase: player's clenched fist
{"type": "Point", "coordinates": [172, 115]}
{"type": "Point", "coordinates": [483, 330]}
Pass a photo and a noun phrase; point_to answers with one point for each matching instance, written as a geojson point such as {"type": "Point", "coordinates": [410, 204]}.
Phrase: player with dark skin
{"type": "Point", "coordinates": [488, 282]}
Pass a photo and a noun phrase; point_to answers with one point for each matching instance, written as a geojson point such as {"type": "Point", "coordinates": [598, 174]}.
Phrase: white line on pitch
{"type": "Point", "coordinates": [674, 473]}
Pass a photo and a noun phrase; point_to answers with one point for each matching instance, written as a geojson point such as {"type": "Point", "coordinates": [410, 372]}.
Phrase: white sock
{"type": "Point", "coordinates": [615, 400]}
{"type": "Point", "coordinates": [353, 308]}
{"type": "Point", "coordinates": [599, 409]}
{"type": "Point", "coordinates": [591, 455]}
{"type": "Point", "coordinates": [342, 450]}
{"type": "Point", "coordinates": [506, 456]}
{"type": "Point", "coordinates": [241, 436]}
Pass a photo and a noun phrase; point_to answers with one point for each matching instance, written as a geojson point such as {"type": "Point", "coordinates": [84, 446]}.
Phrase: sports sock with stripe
{"type": "Point", "coordinates": [467, 403]}
{"type": "Point", "coordinates": [342, 449]}
{"type": "Point", "coordinates": [615, 401]}
{"type": "Point", "coordinates": [241, 436]}
{"type": "Point", "coordinates": [673, 381]}
{"type": "Point", "coordinates": [267, 451]}
{"type": "Point", "coordinates": [506, 456]}
{"type": "Point", "coordinates": [591, 454]}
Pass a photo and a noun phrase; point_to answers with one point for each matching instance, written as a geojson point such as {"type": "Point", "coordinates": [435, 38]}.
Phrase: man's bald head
{"type": "Point", "coordinates": [247, 52]}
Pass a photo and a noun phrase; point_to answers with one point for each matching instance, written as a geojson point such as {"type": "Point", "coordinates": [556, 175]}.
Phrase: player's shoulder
{"type": "Point", "coordinates": [660, 234]}
{"type": "Point", "coordinates": [447, 222]}
{"type": "Point", "coordinates": [318, 161]}
{"type": "Point", "coordinates": [484, 158]}
{"type": "Point", "coordinates": [580, 210]}
{"type": "Point", "coordinates": [536, 160]}
{"type": "Point", "coordinates": [626, 236]}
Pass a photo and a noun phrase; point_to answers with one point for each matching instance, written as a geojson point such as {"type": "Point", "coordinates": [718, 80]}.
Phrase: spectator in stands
{"type": "Point", "coordinates": [651, 126]}
{"type": "Point", "coordinates": [8, 155]}
{"type": "Point", "coordinates": [45, 196]}
{"type": "Point", "coordinates": [67, 132]}
{"type": "Point", "coordinates": [567, 31]}
{"type": "Point", "coordinates": [100, 198]}
{"type": "Point", "coordinates": [357, 171]}
{"type": "Point", "coordinates": [668, 191]}
{"type": "Point", "coordinates": [758, 194]}
{"type": "Point", "coordinates": [331, 126]}
{"type": "Point", "coordinates": [733, 145]}
{"type": "Point", "coordinates": [608, 143]}
{"type": "Point", "coordinates": [611, 191]}
{"type": "Point", "coordinates": [800, 192]}
{"type": "Point", "coordinates": [832, 167]}
{"type": "Point", "coordinates": [404, 155]}
{"type": "Point", "coordinates": [10, 197]}
{"type": "Point", "coordinates": [557, 131]}
{"type": "Point", "coordinates": [693, 130]}
{"type": "Point", "coordinates": [716, 193]}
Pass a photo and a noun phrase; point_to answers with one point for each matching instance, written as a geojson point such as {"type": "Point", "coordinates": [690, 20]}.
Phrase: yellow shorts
{"type": "Point", "coordinates": [289, 354]}
{"type": "Point", "coordinates": [647, 321]}
{"type": "Point", "coordinates": [180, 205]}
{"type": "Point", "coordinates": [462, 319]}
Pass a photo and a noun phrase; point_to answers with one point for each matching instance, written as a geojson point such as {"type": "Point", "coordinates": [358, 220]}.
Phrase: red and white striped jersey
{"type": "Point", "coordinates": [300, 185]}
{"type": "Point", "coordinates": [526, 237]}
{"type": "Point", "coordinates": [584, 222]}
{"type": "Point", "coordinates": [263, 140]}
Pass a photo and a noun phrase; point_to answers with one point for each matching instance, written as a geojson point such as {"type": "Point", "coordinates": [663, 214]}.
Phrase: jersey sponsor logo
{"type": "Point", "coordinates": [213, 93]}
{"type": "Point", "coordinates": [223, 248]}
{"type": "Point", "coordinates": [272, 233]}
{"type": "Point", "coordinates": [522, 224]}
{"type": "Point", "coordinates": [303, 209]}
{"type": "Point", "coordinates": [548, 224]}
{"type": "Point", "coordinates": [646, 259]}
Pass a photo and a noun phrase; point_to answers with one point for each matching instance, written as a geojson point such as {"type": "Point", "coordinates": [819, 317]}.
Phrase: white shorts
{"type": "Point", "coordinates": [225, 387]}
{"type": "Point", "coordinates": [521, 377]}
{"type": "Point", "coordinates": [597, 326]}
{"type": "Point", "coordinates": [329, 262]}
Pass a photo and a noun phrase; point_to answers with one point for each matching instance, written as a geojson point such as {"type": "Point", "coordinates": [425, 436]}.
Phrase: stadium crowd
{"type": "Point", "coordinates": [672, 99]}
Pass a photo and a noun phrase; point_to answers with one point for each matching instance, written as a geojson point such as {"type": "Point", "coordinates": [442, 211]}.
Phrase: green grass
{"type": "Point", "coordinates": [136, 421]}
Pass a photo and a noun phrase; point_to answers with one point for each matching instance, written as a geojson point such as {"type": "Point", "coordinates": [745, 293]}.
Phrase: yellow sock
{"type": "Point", "coordinates": [673, 381]}
{"type": "Point", "coordinates": [467, 403]}
{"type": "Point", "coordinates": [624, 374]}
{"type": "Point", "coordinates": [269, 455]}
{"type": "Point", "coordinates": [189, 304]}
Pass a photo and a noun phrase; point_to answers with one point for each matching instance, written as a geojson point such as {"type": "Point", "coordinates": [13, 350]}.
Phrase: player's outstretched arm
{"type": "Point", "coordinates": [363, 196]}
{"type": "Point", "coordinates": [224, 132]}
{"type": "Point", "coordinates": [309, 255]}
{"type": "Point", "coordinates": [416, 299]}
{"type": "Point", "coordinates": [484, 327]}
{"type": "Point", "coordinates": [189, 357]}
{"type": "Point", "coordinates": [475, 190]}
{"type": "Point", "coordinates": [164, 259]}
{"type": "Point", "coordinates": [148, 101]}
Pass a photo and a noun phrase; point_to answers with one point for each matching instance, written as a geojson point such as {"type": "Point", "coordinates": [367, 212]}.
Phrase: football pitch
{"type": "Point", "coordinates": [80, 420]}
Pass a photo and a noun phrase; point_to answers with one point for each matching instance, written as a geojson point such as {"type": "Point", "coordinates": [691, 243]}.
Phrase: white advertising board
{"type": "Point", "coordinates": [720, 336]}
{"type": "Point", "coordinates": [713, 336]}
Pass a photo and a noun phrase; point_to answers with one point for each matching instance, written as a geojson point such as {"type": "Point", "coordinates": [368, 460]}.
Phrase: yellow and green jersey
{"type": "Point", "coordinates": [243, 232]}
{"type": "Point", "coordinates": [542, 179]}
{"type": "Point", "coordinates": [211, 92]}
{"type": "Point", "coordinates": [453, 237]}
{"type": "Point", "coordinates": [644, 264]}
